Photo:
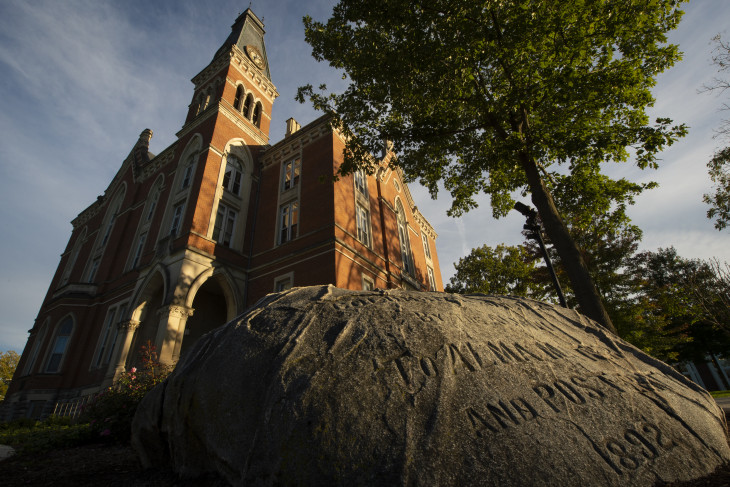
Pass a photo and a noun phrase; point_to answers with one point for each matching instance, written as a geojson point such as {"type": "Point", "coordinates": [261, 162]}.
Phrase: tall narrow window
{"type": "Point", "coordinates": [426, 248]}
{"type": "Point", "coordinates": [92, 270]}
{"type": "Point", "coordinates": [177, 214]}
{"type": "Point", "coordinates": [291, 173]}
{"type": "Point", "coordinates": [110, 224]}
{"type": "Point", "coordinates": [431, 279]}
{"type": "Point", "coordinates": [232, 177]}
{"type": "Point", "coordinates": [361, 184]}
{"type": "Point", "coordinates": [115, 333]}
{"type": "Point", "coordinates": [239, 98]}
{"type": "Point", "coordinates": [106, 333]}
{"type": "Point", "coordinates": [289, 221]}
{"type": "Point", "coordinates": [138, 251]}
{"type": "Point", "coordinates": [59, 345]}
{"type": "Point", "coordinates": [405, 245]}
{"type": "Point", "coordinates": [256, 119]}
{"type": "Point", "coordinates": [363, 224]}
{"type": "Point", "coordinates": [153, 205]}
{"type": "Point", "coordinates": [225, 222]}
{"type": "Point", "coordinates": [74, 257]}
{"type": "Point", "coordinates": [247, 106]}
{"type": "Point", "coordinates": [37, 343]}
{"type": "Point", "coordinates": [189, 170]}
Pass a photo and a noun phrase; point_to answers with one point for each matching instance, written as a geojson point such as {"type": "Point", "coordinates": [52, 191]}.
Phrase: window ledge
{"type": "Point", "coordinates": [76, 288]}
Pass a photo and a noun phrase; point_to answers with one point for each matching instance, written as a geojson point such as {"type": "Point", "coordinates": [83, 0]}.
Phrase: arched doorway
{"type": "Point", "coordinates": [148, 316]}
{"type": "Point", "coordinates": [211, 311]}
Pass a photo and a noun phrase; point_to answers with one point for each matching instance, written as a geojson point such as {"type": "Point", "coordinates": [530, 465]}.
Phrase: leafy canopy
{"type": "Point", "coordinates": [463, 90]}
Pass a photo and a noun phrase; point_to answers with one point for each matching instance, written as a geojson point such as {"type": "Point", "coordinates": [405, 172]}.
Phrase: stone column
{"type": "Point", "coordinates": [117, 364]}
{"type": "Point", "coordinates": [170, 332]}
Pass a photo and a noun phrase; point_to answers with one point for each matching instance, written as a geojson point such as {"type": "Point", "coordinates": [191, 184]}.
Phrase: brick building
{"type": "Point", "coordinates": [183, 241]}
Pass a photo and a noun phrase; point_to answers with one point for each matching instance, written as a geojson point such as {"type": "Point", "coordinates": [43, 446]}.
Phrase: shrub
{"type": "Point", "coordinates": [110, 412]}
{"type": "Point", "coordinates": [29, 436]}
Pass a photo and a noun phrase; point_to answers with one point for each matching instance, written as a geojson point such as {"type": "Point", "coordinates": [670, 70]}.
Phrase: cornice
{"type": "Point", "coordinates": [161, 160]}
{"type": "Point", "coordinates": [231, 114]}
{"type": "Point", "coordinates": [197, 120]}
{"type": "Point", "coordinates": [236, 58]}
{"type": "Point", "coordinates": [295, 142]}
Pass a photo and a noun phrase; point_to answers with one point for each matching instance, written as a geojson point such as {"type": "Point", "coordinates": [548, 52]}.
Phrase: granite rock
{"type": "Point", "coordinates": [324, 386]}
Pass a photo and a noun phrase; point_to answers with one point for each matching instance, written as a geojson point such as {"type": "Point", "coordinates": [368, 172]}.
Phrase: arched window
{"type": "Point", "coordinates": [110, 223]}
{"type": "Point", "coordinates": [239, 98]}
{"type": "Point", "coordinates": [74, 257]}
{"type": "Point", "coordinates": [247, 106]}
{"type": "Point", "coordinates": [37, 344]}
{"type": "Point", "coordinates": [60, 344]}
{"type": "Point", "coordinates": [189, 171]}
{"type": "Point", "coordinates": [257, 115]}
{"type": "Point", "coordinates": [206, 100]}
{"type": "Point", "coordinates": [233, 174]}
{"type": "Point", "coordinates": [405, 245]}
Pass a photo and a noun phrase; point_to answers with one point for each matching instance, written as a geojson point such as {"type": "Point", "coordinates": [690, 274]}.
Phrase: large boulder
{"type": "Point", "coordinates": [322, 386]}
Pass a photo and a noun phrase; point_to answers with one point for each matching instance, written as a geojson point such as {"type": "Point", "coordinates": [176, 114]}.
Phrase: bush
{"type": "Point", "coordinates": [30, 436]}
{"type": "Point", "coordinates": [109, 414]}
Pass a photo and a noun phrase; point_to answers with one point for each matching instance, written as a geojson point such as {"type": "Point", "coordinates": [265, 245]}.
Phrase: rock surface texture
{"type": "Point", "coordinates": [322, 386]}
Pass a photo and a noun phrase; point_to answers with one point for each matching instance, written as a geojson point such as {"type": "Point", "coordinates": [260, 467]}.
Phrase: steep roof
{"type": "Point", "coordinates": [247, 31]}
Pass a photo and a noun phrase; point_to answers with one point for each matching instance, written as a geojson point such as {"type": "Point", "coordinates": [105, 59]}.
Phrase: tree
{"type": "Point", "coordinates": [719, 165]}
{"type": "Point", "coordinates": [498, 97]}
{"type": "Point", "coordinates": [8, 362]}
{"type": "Point", "coordinates": [501, 270]}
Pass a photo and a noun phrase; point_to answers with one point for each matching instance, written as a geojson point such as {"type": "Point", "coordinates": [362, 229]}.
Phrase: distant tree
{"type": "Point", "coordinates": [8, 362]}
{"type": "Point", "coordinates": [719, 165]}
{"type": "Point", "coordinates": [500, 270]}
{"type": "Point", "coordinates": [659, 311]}
{"type": "Point", "coordinates": [719, 201]}
{"type": "Point", "coordinates": [498, 97]}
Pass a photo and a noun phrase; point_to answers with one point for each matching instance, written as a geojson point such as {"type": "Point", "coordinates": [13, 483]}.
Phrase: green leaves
{"type": "Point", "coordinates": [719, 201]}
{"type": "Point", "coordinates": [473, 85]}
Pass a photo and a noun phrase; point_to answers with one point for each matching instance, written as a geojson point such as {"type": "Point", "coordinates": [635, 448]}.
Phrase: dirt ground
{"type": "Point", "coordinates": [91, 465]}
{"type": "Point", "coordinates": [117, 466]}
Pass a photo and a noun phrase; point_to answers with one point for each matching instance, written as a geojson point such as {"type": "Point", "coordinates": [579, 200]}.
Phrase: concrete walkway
{"type": "Point", "coordinates": [6, 452]}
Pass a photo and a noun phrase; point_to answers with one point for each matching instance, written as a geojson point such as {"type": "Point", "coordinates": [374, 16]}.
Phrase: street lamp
{"type": "Point", "coordinates": [533, 231]}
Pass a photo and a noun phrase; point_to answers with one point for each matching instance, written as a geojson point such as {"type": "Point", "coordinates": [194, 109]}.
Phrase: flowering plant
{"type": "Point", "coordinates": [110, 412]}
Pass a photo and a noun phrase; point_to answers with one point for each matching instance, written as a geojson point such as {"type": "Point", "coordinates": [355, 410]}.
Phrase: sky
{"type": "Point", "coordinates": [81, 79]}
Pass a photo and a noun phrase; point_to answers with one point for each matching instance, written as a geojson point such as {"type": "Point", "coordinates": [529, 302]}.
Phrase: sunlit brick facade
{"type": "Point", "coordinates": [182, 242]}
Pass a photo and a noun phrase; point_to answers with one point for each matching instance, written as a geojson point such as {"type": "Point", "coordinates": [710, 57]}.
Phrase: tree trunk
{"type": "Point", "coordinates": [571, 258]}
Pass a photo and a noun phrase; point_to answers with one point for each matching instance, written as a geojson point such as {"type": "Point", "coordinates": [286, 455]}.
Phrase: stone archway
{"type": "Point", "coordinates": [211, 311]}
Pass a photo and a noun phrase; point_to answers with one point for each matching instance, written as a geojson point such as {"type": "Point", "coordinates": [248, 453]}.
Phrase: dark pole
{"type": "Point", "coordinates": [533, 228]}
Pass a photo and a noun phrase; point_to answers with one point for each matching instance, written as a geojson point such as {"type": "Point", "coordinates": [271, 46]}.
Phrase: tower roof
{"type": "Point", "coordinates": [247, 33]}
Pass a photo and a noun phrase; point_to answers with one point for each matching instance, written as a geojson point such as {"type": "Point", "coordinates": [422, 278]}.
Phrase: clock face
{"type": "Point", "coordinates": [255, 55]}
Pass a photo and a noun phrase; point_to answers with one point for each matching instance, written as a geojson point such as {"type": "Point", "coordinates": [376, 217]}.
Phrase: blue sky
{"type": "Point", "coordinates": [80, 79]}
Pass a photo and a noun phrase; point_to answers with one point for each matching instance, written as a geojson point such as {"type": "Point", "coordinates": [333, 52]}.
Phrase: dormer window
{"type": "Point", "coordinates": [232, 176]}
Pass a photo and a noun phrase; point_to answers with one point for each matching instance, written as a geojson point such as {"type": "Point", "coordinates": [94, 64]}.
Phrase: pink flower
{"type": "Point", "coordinates": [106, 432]}
{"type": "Point", "coordinates": [133, 370]}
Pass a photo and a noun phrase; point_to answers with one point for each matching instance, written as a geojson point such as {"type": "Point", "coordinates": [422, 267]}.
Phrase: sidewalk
{"type": "Point", "coordinates": [6, 452]}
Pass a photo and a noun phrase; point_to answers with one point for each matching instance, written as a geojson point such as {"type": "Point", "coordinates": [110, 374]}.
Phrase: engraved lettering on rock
{"type": "Point", "coordinates": [634, 448]}
{"type": "Point", "coordinates": [505, 414]}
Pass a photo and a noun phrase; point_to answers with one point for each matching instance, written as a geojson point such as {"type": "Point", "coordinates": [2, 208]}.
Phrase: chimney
{"type": "Point", "coordinates": [291, 127]}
